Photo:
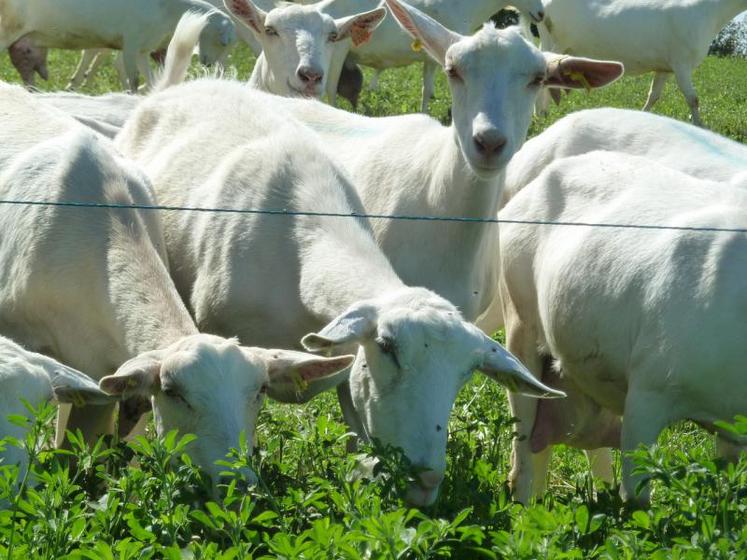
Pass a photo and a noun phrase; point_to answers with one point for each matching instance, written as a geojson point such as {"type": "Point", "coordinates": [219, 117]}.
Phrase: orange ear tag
{"type": "Point", "coordinates": [416, 45]}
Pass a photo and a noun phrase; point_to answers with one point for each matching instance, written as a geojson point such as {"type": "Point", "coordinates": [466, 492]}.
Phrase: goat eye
{"type": "Point", "coordinates": [271, 31]}
{"type": "Point", "coordinates": [172, 393]}
{"type": "Point", "coordinates": [453, 73]}
{"type": "Point", "coordinates": [333, 37]}
{"type": "Point", "coordinates": [387, 346]}
{"type": "Point", "coordinates": [537, 81]}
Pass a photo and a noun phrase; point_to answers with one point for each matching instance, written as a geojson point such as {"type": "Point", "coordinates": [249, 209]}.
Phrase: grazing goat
{"type": "Point", "coordinates": [137, 27]}
{"type": "Point", "coordinates": [36, 379]}
{"type": "Point", "coordinates": [664, 37]}
{"type": "Point", "coordinates": [647, 324]}
{"type": "Point", "coordinates": [391, 47]}
{"type": "Point", "coordinates": [91, 288]}
{"type": "Point", "coordinates": [271, 279]}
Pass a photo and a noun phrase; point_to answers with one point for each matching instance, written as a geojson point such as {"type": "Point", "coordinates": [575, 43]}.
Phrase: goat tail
{"type": "Point", "coordinates": [179, 53]}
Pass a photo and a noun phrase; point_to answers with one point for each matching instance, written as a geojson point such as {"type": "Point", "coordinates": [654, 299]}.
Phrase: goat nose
{"type": "Point", "coordinates": [490, 142]}
{"type": "Point", "coordinates": [308, 75]}
{"type": "Point", "coordinates": [430, 480]}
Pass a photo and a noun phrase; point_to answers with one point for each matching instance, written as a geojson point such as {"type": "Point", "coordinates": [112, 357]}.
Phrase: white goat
{"type": "Point", "coordinates": [36, 379]}
{"type": "Point", "coordinates": [664, 37]}
{"type": "Point", "coordinates": [674, 144]}
{"type": "Point", "coordinates": [95, 308]}
{"type": "Point", "coordinates": [137, 27]}
{"type": "Point", "coordinates": [213, 42]}
{"type": "Point", "coordinates": [391, 47]}
{"type": "Point", "coordinates": [647, 324]}
{"type": "Point", "coordinates": [413, 165]}
{"type": "Point", "coordinates": [273, 279]}
{"type": "Point", "coordinates": [298, 43]}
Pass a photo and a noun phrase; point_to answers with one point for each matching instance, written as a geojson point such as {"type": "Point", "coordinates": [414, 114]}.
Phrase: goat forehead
{"type": "Point", "coordinates": [300, 17]}
{"type": "Point", "coordinates": [421, 330]}
{"type": "Point", "coordinates": [213, 368]}
{"type": "Point", "coordinates": [496, 49]}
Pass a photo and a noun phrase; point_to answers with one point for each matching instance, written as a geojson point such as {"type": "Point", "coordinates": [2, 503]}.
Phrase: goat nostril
{"type": "Point", "coordinates": [309, 75]}
{"type": "Point", "coordinates": [489, 144]}
{"type": "Point", "coordinates": [541, 15]}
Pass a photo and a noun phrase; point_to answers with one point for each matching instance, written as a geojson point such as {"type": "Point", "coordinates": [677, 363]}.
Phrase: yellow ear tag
{"type": "Point", "coordinates": [78, 399]}
{"type": "Point", "coordinates": [299, 382]}
{"type": "Point", "coordinates": [416, 45]}
{"type": "Point", "coordinates": [580, 78]}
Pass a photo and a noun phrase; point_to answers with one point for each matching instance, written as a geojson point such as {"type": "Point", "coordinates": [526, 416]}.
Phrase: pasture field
{"type": "Point", "coordinates": [309, 503]}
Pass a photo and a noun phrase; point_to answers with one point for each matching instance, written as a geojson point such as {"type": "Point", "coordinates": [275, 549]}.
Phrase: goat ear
{"type": "Point", "coordinates": [296, 377]}
{"type": "Point", "coordinates": [352, 326]}
{"type": "Point", "coordinates": [574, 72]}
{"type": "Point", "coordinates": [71, 386]}
{"type": "Point", "coordinates": [434, 37]}
{"type": "Point", "coordinates": [138, 376]}
{"type": "Point", "coordinates": [359, 27]}
{"type": "Point", "coordinates": [249, 14]}
{"type": "Point", "coordinates": [502, 366]}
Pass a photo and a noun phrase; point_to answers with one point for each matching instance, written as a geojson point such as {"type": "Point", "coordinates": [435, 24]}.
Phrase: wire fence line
{"type": "Point", "coordinates": [413, 218]}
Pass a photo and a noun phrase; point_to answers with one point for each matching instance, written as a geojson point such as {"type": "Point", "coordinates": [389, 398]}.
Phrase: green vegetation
{"type": "Point", "coordinates": [90, 503]}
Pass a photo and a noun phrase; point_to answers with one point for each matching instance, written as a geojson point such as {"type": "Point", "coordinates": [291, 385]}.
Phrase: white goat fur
{"type": "Point", "coordinates": [272, 279]}
{"type": "Point", "coordinates": [391, 47]}
{"type": "Point", "coordinates": [137, 27]}
{"type": "Point", "coordinates": [95, 308]}
{"type": "Point", "coordinates": [661, 36]}
{"type": "Point", "coordinates": [675, 348]}
{"type": "Point", "coordinates": [413, 165]}
{"type": "Point", "coordinates": [35, 379]}
{"type": "Point", "coordinates": [697, 152]}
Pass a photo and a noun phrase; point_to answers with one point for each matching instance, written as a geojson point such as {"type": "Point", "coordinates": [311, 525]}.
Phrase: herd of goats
{"type": "Point", "coordinates": [197, 245]}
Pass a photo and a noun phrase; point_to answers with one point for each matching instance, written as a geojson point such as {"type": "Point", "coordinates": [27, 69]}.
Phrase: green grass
{"type": "Point", "coordinates": [310, 505]}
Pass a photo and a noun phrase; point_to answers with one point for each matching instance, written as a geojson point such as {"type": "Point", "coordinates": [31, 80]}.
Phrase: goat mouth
{"type": "Point", "coordinates": [309, 93]}
{"type": "Point", "coordinates": [487, 169]}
